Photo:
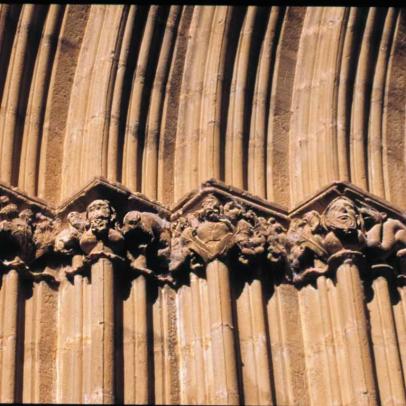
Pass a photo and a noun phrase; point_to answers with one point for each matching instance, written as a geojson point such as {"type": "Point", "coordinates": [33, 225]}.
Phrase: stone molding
{"type": "Point", "coordinates": [106, 220]}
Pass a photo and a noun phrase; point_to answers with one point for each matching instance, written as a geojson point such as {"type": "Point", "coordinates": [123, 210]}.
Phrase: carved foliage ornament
{"type": "Point", "coordinates": [25, 236]}
{"type": "Point", "coordinates": [228, 228]}
{"type": "Point", "coordinates": [142, 239]}
{"type": "Point", "coordinates": [343, 228]}
{"type": "Point", "coordinates": [215, 229]}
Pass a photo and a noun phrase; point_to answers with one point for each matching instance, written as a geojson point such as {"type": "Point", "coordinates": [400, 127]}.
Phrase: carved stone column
{"type": "Point", "coordinates": [16, 243]}
{"type": "Point", "coordinates": [383, 334]}
{"type": "Point", "coordinates": [386, 240]}
{"type": "Point", "coordinates": [147, 246]}
{"type": "Point", "coordinates": [356, 325]}
{"type": "Point", "coordinates": [102, 244]}
{"type": "Point", "coordinates": [330, 246]}
{"type": "Point", "coordinates": [260, 250]}
{"type": "Point", "coordinates": [10, 286]}
{"type": "Point", "coordinates": [206, 237]}
{"type": "Point", "coordinates": [222, 333]}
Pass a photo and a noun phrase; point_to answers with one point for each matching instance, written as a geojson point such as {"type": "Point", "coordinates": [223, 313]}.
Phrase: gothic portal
{"type": "Point", "coordinates": [202, 205]}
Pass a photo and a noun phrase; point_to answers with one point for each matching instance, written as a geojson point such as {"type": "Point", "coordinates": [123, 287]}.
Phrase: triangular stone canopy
{"type": "Point", "coordinates": [225, 192]}
{"type": "Point", "coordinates": [124, 200]}
{"type": "Point", "coordinates": [320, 200]}
{"type": "Point", "coordinates": [23, 201]}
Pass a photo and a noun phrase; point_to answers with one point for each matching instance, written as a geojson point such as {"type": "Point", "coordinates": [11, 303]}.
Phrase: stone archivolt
{"type": "Point", "coordinates": [218, 222]}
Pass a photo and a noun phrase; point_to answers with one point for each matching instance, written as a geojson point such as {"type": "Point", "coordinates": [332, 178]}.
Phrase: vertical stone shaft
{"type": "Point", "coordinates": [77, 291]}
{"type": "Point", "coordinates": [253, 343]}
{"type": "Point", "coordinates": [102, 332]}
{"type": "Point", "coordinates": [197, 331]}
{"type": "Point", "coordinates": [330, 341]}
{"type": "Point", "coordinates": [354, 322]}
{"type": "Point", "coordinates": [386, 352]}
{"type": "Point", "coordinates": [399, 310]}
{"type": "Point", "coordinates": [166, 348]}
{"type": "Point", "coordinates": [10, 321]}
{"type": "Point", "coordinates": [287, 349]}
{"type": "Point", "coordinates": [318, 338]}
{"type": "Point", "coordinates": [222, 334]}
{"type": "Point", "coordinates": [340, 343]}
{"type": "Point", "coordinates": [141, 346]}
{"type": "Point", "coordinates": [187, 370]}
{"type": "Point", "coordinates": [135, 343]}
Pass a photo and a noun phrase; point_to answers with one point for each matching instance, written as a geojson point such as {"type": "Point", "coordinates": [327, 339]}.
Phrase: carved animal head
{"type": "Point", "coordinates": [131, 221]}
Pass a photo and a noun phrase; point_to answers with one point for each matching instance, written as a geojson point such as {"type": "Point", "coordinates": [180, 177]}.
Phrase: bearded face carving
{"type": "Point", "coordinates": [101, 216]}
{"type": "Point", "coordinates": [210, 210]}
{"type": "Point", "coordinates": [344, 227]}
{"type": "Point", "coordinates": [101, 235]}
{"type": "Point", "coordinates": [212, 235]}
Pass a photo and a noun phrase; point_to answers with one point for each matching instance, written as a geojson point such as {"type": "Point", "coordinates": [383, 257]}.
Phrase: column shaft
{"type": "Point", "coordinates": [102, 332]}
{"type": "Point", "coordinates": [10, 322]}
{"type": "Point", "coordinates": [355, 325]}
{"type": "Point", "coordinates": [222, 333]}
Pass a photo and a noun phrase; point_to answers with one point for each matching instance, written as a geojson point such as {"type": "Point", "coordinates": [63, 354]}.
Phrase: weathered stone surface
{"type": "Point", "coordinates": [124, 281]}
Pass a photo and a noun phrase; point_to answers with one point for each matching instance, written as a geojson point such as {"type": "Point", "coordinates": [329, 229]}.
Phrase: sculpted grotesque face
{"type": "Point", "coordinates": [100, 215]}
{"type": "Point", "coordinates": [341, 214]}
{"type": "Point", "coordinates": [210, 209]}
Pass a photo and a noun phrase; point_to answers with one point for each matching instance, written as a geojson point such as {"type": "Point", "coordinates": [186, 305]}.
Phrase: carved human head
{"type": "Point", "coordinates": [76, 220]}
{"type": "Point", "coordinates": [252, 217]}
{"type": "Point", "coordinates": [210, 208]}
{"type": "Point", "coordinates": [341, 214]}
{"type": "Point", "coordinates": [101, 215]}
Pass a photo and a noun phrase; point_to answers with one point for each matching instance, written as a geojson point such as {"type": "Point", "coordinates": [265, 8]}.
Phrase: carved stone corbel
{"type": "Point", "coordinates": [67, 242]}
